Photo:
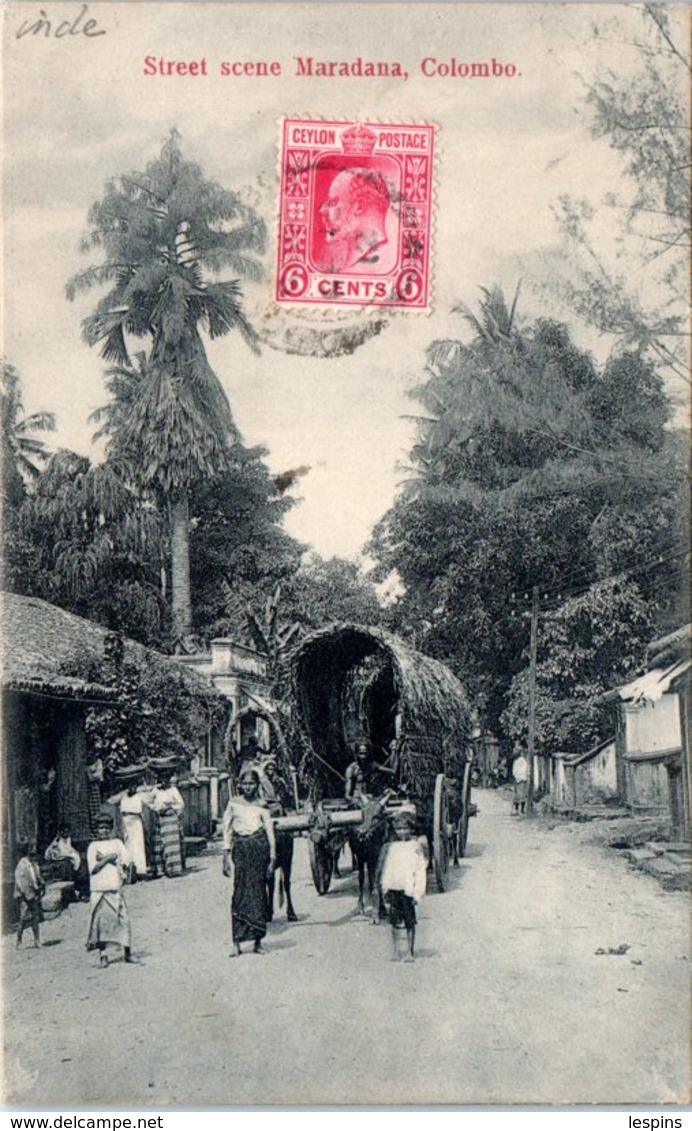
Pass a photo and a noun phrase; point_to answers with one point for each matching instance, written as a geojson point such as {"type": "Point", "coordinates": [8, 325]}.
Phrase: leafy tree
{"type": "Point", "coordinates": [589, 644]}
{"type": "Point", "coordinates": [526, 461]}
{"type": "Point", "coordinates": [88, 544]}
{"type": "Point", "coordinates": [239, 551]}
{"type": "Point", "coordinates": [644, 116]}
{"type": "Point", "coordinates": [156, 712]}
{"type": "Point", "coordinates": [164, 234]}
{"type": "Point", "coordinates": [86, 540]}
{"type": "Point", "coordinates": [335, 589]}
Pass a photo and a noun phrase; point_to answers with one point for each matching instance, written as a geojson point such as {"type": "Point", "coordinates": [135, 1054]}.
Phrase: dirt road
{"type": "Point", "coordinates": [512, 999]}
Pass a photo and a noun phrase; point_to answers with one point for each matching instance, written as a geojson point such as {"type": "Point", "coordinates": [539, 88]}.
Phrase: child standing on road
{"type": "Point", "coordinates": [404, 869]}
{"type": "Point", "coordinates": [107, 861]}
{"type": "Point", "coordinates": [28, 889]}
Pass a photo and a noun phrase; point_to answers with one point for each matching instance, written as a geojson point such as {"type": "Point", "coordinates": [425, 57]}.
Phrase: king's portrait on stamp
{"type": "Point", "coordinates": [355, 214]}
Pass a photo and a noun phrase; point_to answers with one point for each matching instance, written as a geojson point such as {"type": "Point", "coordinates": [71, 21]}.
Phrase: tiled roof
{"type": "Point", "coordinates": [652, 686]}
{"type": "Point", "coordinates": [40, 642]}
{"type": "Point", "coordinates": [667, 649]}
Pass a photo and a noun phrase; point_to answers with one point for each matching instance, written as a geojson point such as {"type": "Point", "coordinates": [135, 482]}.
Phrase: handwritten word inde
{"type": "Point", "coordinates": [51, 30]}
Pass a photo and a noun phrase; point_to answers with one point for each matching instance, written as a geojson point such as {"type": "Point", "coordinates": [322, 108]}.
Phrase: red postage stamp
{"type": "Point", "coordinates": [355, 214]}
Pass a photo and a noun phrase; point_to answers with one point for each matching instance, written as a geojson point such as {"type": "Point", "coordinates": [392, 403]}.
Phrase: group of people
{"type": "Point", "coordinates": [159, 848]}
{"type": "Point", "coordinates": [107, 862]}
{"type": "Point", "coordinates": [110, 861]}
{"type": "Point", "coordinates": [249, 858]}
{"type": "Point", "coordinates": [250, 854]}
{"type": "Point", "coordinates": [151, 818]}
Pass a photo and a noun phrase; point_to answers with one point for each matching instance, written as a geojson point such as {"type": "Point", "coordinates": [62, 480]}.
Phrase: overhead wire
{"type": "Point", "coordinates": [582, 580]}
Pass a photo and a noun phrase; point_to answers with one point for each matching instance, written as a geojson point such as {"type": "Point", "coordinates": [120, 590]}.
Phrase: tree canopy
{"type": "Point", "coordinates": [637, 290]}
{"type": "Point", "coordinates": [87, 543]}
{"type": "Point", "coordinates": [531, 467]}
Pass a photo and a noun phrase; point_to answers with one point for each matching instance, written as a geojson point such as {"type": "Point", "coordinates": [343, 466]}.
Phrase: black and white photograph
{"type": "Point", "coordinates": [345, 623]}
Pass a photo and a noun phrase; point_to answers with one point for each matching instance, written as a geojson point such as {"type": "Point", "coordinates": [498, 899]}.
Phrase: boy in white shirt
{"type": "Point", "coordinates": [403, 876]}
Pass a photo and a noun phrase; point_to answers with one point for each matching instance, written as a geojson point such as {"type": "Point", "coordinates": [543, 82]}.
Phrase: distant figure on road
{"type": "Point", "coordinates": [402, 881]}
{"type": "Point", "coordinates": [28, 889]}
{"type": "Point", "coordinates": [250, 858]}
{"type": "Point", "coordinates": [273, 786]}
{"type": "Point", "coordinates": [107, 861]}
{"type": "Point", "coordinates": [360, 778]}
{"type": "Point", "coordinates": [520, 774]}
{"type": "Point", "coordinates": [502, 769]}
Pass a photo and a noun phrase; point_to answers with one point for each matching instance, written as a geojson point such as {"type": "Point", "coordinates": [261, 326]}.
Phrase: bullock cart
{"type": "Point", "coordinates": [352, 684]}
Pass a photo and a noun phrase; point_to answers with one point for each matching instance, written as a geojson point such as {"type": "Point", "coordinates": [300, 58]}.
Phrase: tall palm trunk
{"type": "Point", "coordinates": [180, 565]}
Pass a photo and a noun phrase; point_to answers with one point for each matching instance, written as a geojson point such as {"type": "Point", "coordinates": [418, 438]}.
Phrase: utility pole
{"type": "Point", "coordinates": [532, 696]}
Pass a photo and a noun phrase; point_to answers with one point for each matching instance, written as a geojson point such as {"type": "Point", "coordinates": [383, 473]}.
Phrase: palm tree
{"type": "Point", "coordinates": [123, 383]}
{"type": "Point", "coordinates": [163, 232]}
{"type": "Point", "coordinates": [469, 387]}
{"type": "Point", "coordinates": [21, 450]}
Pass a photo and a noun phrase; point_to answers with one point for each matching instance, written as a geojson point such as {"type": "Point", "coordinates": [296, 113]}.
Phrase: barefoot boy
{"type": "Point", "coordinates": [28, 889]}
{"type": "Point", "coordinates": [404, 869]}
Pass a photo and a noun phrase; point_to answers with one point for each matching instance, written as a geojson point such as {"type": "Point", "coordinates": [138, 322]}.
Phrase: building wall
{"type": "Point", "coordinates": [71, 782]}
{"type": "Point", "coordinates": [596, 779]}
{"type": "Point", "coordinates": [560, 791]}
{"type": "Point", "coordinates": [653, 727]}
{"type": "Point", "coordinates": [686, 769]}
{"type": "Point", "coordinates": [649, 728]}
{"type": "Point", "coordinates": [647, 786]}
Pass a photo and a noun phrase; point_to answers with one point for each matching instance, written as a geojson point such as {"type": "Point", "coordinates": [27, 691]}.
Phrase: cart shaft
{"type": "Point", "coordinates": [300, 822]}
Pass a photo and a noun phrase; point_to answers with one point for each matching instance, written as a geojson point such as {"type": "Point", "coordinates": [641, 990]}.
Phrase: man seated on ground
{"type": "Point", "coordinates": [70, 866]}
{"type": "Point", "coordinates": [361, 777]}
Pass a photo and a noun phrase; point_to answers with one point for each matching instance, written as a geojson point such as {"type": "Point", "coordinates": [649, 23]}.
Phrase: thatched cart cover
{"type": "Point", "coordinates": [351, 683]}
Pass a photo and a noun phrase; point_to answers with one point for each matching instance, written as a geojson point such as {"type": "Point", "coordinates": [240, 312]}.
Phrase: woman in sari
{"type": "Point", "coordinates": [168, 805]}
{"type": "Point", "coordinates": [132, 804]}
{"type": "Point", "coordinates": [94, 775]}
{"type": "Point", "coordinates": [250, 857]}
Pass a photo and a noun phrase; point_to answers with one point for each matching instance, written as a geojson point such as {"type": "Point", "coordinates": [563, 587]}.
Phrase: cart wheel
{"type": "Point", "coordinates": [463, 826]}
{"type": "Point", "coordinates": [441, 843]}
{"type": "Point", "coordinates": [321, 866]}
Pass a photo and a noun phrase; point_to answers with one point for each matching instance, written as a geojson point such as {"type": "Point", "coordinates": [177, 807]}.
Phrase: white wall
{"type": "Point", "coordinates": [652, 727]}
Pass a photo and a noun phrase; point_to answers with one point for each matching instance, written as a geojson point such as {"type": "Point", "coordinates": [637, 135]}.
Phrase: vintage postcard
{"type": "Point", "coordinates": [345, 625]}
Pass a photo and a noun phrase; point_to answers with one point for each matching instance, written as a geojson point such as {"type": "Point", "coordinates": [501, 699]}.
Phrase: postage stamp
{"type": "Point", "coordinates": [355, 214]}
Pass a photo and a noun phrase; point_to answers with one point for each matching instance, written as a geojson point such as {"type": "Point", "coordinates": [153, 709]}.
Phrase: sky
{"type": "Point", "coordinates": [80, 110]}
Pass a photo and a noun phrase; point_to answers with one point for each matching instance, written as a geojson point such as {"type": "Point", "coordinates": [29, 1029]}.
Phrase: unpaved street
{"type": "Point", "coordinates": [508, 1003]}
